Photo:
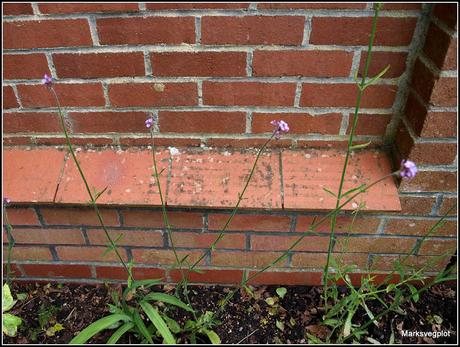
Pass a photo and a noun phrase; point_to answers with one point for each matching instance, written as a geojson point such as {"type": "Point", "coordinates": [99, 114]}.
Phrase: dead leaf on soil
{"type": "Point", "coordinates": [320, 331]}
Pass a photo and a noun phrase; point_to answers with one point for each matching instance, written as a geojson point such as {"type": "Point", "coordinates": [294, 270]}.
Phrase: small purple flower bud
{"type": "Point", "coordinates": [6, 201]}
{"type": "Point", "coordinates": [149, 122]}
{"type": "Point", "coordinates": [408, 169]}
{"type": "Point", "coordinates": [47, 80]}
{"type": "Point", "coordinates": [281, 127]}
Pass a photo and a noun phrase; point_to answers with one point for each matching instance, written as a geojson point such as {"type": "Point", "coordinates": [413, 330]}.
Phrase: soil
{"type": "Point", "coordinates": [246, 319]}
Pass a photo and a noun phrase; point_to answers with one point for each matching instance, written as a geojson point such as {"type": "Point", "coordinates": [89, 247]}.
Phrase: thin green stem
{"type": "Point", "coordinates": [11, 243]}
{"type": "Point", "coordinates": [349, 149]}
{"type": "Point", "coordinates": [92, 198]}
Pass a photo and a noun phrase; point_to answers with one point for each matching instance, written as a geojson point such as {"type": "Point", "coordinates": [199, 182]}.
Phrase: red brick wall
{"type": "Point", "coordinates": [217, 79]}
{"type": "Point", "coordinates": [213, 80]}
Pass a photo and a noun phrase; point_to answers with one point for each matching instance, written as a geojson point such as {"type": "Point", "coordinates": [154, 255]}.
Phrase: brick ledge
{"type": "Point", "coordinates": [284, 179]}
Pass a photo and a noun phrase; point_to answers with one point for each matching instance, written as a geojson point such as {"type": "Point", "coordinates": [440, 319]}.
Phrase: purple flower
{"type": "Point", "coordinates": [6, 201]}
{"type": "Point", "coordinates": [149, 122]}
{"type": "Point", "coordinates": [408, 169]}
{"type": "Point", "coordinates": [47, 80]}
{"type": "Point", "coordinates": [281, 127]}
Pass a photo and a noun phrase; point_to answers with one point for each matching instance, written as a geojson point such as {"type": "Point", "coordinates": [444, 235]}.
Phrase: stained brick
{"type": "Point", "coordinates": [48, 236]}
{"type": "Point", "coordinates": [441, 48]}
{"type": "Point", "coordinates": [164, 257]}
{"type": "Point", "coordinates": [355, 31]}
{"type": "Point", "coordinates": [99, 65]}
{"type": "Point", "coordinates": [252, 30]}
{"type": "Point", "coordinates": [216, 64]}
{"type": "Point", "coordinates": [57, 270]}
{"type": "Point", "coordinates": [431, 181]}
{"type": "Point", "coordinates": [154, 219]}
{"type": "Point", "coordinates": [438, 247]}
{"type": "Point", "coordinates": [251, 259]}
{"type": "Point", "coordinates": [46, 33]}
{"type": "Point", "coordinates": [24, 66]}
{"type": "Point", "coordinates": [374, 245]}
{"type": "Point", "coordinates": [201, 240]}
{"type": "Point", "coordinates": [370, 124]}
{"type": "Point", "coordinates": [416, 205]}
{"type": "Point", "coordinates": [22, 216]}
{"type": "Point", "coordinates": [148, 30]}
{"type": "Point", "coordinates": [196, 6]}
{"type": "Point", "coordinates": [302, 63]}
{"type": "Point", "coordinates": [287, 278]}
{"type": "Point", "coordinates": [153, 94]}
{"type": "Point", "coordinates": [419, 227]}
{"type": "Point", "coordinates": [31, 122]}
{"type": "Point", "coordinates": [318, 260]}
{"type": "Point", "coordinates": [250, 222]}
{"type": "Point", "coordinates": [344, 224]}
{"type": "Point", "coordinates": [55, 8]}
{"type": "Point", "coordinates": [29, 253]}
{"type": "Point", "coordinates": [380, 60]}
{"type": "Point", "coordinates": [9, 98]}
{"type": "Point", "coordinates": [210, 276]}
{"type": "Point", "coordinates": [89, 254]}
{"type": "Point", "coordinates": [11, 9]}
{"type": "Point", "coordinates": [447, 203]}
{"type": "Point", "coordinates": [310, 6]}
{"type": "Point", "coordinates": [282, 243]}
{"type": "Point", "coordinates": [387, 262]}
{"type": "Point", "coordinates": [202, 122]}
{"type": "Point", "coordinates": [108, 122]}
{"type": "Point", "coordinates": [128, 237]}
{"type": "Point", "coordinates": [78, 216]}
{"type": "Point", "coordinates": [248, 93]}
{"type": "Point", "coordinates": [344, 95]}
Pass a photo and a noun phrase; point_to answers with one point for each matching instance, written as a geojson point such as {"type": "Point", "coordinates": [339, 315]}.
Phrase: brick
{"type": "Point", "coordinates": [248, 93]}
{"type": "Point", "coordinates": [202, 122]}
{"type": "Point", "coordinates": [146, 94]}
{"type": "Point", "coordinates": [31, 176]}
{"type": "Point", "coordinates": [210, 276]}
{"type": "Point", "coordinates": [14, 271]}
{"type": "Point", "coordinates": [94, 65]}
{"type": "Point", "coordinates": [250, 222]}
{"type": "Point", "coordinates": [445, 92]}
{"type": "Point", "coordinates": [344, 95]}
{"type": "Point", "coordinates": [196, 6]}
{"type": "Point", "coordinates": [433, 153]}
{"type": "Point", "coordinates": [370, 124]}
{"type": "Point", "coordinates": [126, 174]}
{"type": "Point", "coordinates": [144, 273]}
{"type": "Point", "coordinates": [387, 262]}
{"type": "Point", "coordinates": [48, 236]}
{"type": "Point", "coordinates": [164, 257]}
{"type": "Point", "coordinates": [423, 80]}
{"type": "Point", "coordinates": [446, 13]}
{"type": "Point", "coordinates": [431, 181]}
{"type": "Point", "coordinates": [415, 113]}
{"type": "Point", "coordinates": [374, 244]}
{"type": "Point", "coordinates": [419, 227]}
{"type": "Point", "coordinates": [251, 259]}
{"type": "Point", "coordinates": [380, 60]}
{"type": "Point", "coordinates": [299, 123]}
{"type": "Point", "coordinates": [361, 225]}
{"type": "Point", "coordinates": [78, 216]}
{"type": "Point", "coordinates": [252, 30]}
{"type": "Point", "coordinates": [215, 64]}
{"type": "Point", "coordinates": [31, 122]}
{"type": "Point", "coordinates": [24, 66]}
{"type": "Point", "coordinates": [89, 254]}
{"type": "Point", "coordinates": [190, 184]}
{"type": "Point", "coordinates": [401, 6]}
{"type": "Point", "coordinates": [159, 141]}
{"type": "Point", "coordinates": [70, 94]}
{"type": "Point", "coordinates": [12, 9]}
{"type": "Point", "coordinates": [46, 33]}
{"type": "Point", "coordinates": [154, 219]}
{"type": "Point", "coordinates": [89, 142]}
{"type": "Point", "coordinates": [245, 143]}
{"type": "Point", "coordinates": [416, 205]}
{"type": "Point", "coordinates": [17, 141]}
{"type": "Point", "coordinates": [112, 272]}
{"type": "Point", "coordinates": [56, 8]}
{"type": "Point", "coordinates": [441, 48]}
{"type": "Point", "coordinates": [318, 260]}
{"type": "Point", "coordinates": [149, 30]}
{"type": "Point", "coordinates": [9, 98]}
{"type": "Point", "coordinates": [355, 31]}
{"type": "Point", "coordinates": [438, 124]}
{"type": "Point", "coordinates": [302, 63]}
{"type": "Point", "coordinates": [287, 278]}
{"type": "Point", "coordinates": [29, 253]}
{"type": "Point", "coordinates": [438, 247]}
{"type": "Point", "coordinates": [107, 122]}
{"type": "Point", "coordinates": [57, 270]}
{"type": "Point", "coordinates": [128, 238]}
{"type": "Point", "coordinates": [22, 216]}
{"type": "Point", "coordinates": [204, 240]}
{"type": "Point", "coordinates": [309, 6]}
{"type": "Point", "coordinates": [447, 203]}
{"type": "Point", "coordinates": [282, 243]}
{"type": "Point", "coordinates": [306, 173]}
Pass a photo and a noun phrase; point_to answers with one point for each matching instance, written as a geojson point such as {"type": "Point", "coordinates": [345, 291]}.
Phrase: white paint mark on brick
{"type": "Point", "coordinates": [298, 94]}
{"type": "Point", "coordinates": [142, 6]}
{"type": "Point", "coordinates": [355, 63]}
{"type": "Point", "coordinates": [248, 122]}
{"type": "Point", "coordinates": [199, 84]}
{"type": "Point", "coordinates": [344, 124]}
{"type": "Point", "coordinates": [147, 64]}
{"type": "Point", "coordinates": [93, 30]}
{"type": "Point", "coordinates": [249, 59]}
{"type": "Point", "coordinates": [198, 30]}
{"type": "Point", "coordinates": [306, 31]}
{"type": "Point", "coordinates": [16, 94]}
{"type": "Point", "coordinates": [105, 89]}
{"type": "Point", "coordinates": [35, 9]}
{"type": "Point", "coordinates": [51, 66]}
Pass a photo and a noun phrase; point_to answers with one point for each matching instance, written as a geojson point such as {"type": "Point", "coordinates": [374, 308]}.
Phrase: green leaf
{"type": "Point", "coordinates": [119, 333]}
{"type": "Point", "coordinates": [347, 325]}
{"type": "Point", "coordinates": [270, 301]}
{"type": "Point", "coordinates": [97, 327]}
{"type": "Point", "coordinates": [167, 299]}
{"type": "Point", "coordinates": [172, 324]}
{"type": "Point", "coordinates": [362, 186]}
{"type": "Point", "coordinates": [373, 341]}
{"type": "Point", "coordinates": [392, 337]}
{"type": "Point", "coordinates": [330, 192]}
{"type": "Point", "coordinates": [390, 287]}
{"type": "Point", "coordinates": [21, 296]}
{"type": "Point", "coordinates": [279, 325]}
{"type": "Point", "coordinates": [414, 292]}
{"type": "Point", "coordinates": [145, 283]}
{"type": "Point", "coordinates": [281, 291]}
{"type": "Point", "coordinates": [141, 326]}
{"type": "Point", "coordinates": [331, 322]}
{"type": "Point", "coordinates": [51, 331]}
{"type": "Point", "coordinates": [98, 194]}
{"type": "Point", "coordinates": [7, 299]}
{"type": "Point", "coordinates": [212, 336]}
{"type": "Point", "coordinates": [159, 323]}
{"type": "Point", "coordinates": [362, 145]}
{"type": "Point", "coordinates": [369, 313]}
{"type": "Point", "coordinates": [10, 324]}
{"type": "Point", "coordinates": [376, 78]}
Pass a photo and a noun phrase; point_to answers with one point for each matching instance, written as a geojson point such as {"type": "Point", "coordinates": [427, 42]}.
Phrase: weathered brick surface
{"type": "Point", "coordinates": [24, 66]}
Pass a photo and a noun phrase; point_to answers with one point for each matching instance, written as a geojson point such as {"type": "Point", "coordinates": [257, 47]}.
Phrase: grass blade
{"type": "Point", "coordinates": [97, 327]}
{"type": "Point", "coordinates": [159, 323]}
{"type": "Point", "coordinates": [119, 333]}
{"type": "Point", "coordinates": [167, 299]}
